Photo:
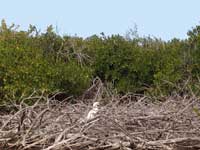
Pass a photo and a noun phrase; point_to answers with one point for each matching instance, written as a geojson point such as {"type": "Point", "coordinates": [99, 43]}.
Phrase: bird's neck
{"type": "Point", "coordinates": [95, 108]}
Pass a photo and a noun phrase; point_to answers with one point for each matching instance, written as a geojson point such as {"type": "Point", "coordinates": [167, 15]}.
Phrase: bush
{"type": "Point", "coordinates": [134, 67]}
{"type": "Point", "coordinates": [23, 71]}
{"type": "Point", "coordinates": [47, 61]}
{"type": "Point", "coordinates": [26, 65]}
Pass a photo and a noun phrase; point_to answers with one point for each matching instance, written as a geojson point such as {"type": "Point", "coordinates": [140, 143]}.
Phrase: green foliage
{"type": "Point", "coordinates": [24, 71]}
{"type": "Point", "coordinates": [49, 62]}
{"type": "Point", "coordinates": [194, 49]}
{"type": "Point", "coordinates": [121, 62]}
{"type": "Point", "coordinates": [134, 67]}
{"type": "Point", "coordinates": [24, 67]}
{"type": "Point", "coordinates": [167, 72]}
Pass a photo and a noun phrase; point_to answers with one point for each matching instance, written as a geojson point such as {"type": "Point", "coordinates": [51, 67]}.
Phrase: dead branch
{"type": "Point", "coordinates": [139, 124]}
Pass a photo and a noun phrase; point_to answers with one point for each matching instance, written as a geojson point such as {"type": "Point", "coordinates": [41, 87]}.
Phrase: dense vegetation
{"type": "Point", "coordinates": [31, 60]}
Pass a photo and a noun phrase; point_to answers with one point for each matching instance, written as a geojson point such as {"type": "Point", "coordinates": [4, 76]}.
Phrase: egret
{"type": "Point", "coordinates": [92, 113]}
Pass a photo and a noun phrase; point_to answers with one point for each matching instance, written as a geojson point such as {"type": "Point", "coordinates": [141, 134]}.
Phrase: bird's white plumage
{"type": "Point", "coordinates": [92, 113]}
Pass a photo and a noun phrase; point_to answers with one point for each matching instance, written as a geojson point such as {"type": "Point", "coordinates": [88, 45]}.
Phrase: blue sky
{"type": "Point", "coordinates": [160, 18]}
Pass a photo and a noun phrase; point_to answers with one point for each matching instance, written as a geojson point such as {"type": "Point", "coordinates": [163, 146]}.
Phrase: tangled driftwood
{"type": "Point", "coordinates": [139, 124]}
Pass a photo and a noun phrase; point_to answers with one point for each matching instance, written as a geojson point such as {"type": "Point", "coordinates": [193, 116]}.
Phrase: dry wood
{"type": "Point", "coordinates": [120, 124]}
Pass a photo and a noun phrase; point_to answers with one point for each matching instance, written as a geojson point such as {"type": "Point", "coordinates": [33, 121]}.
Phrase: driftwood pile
{"type": "Point", "coordinates": [120, 125]}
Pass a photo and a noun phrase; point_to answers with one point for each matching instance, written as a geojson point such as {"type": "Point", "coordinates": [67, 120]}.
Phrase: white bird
{"type": "Point", "coordinates": [92, 113]}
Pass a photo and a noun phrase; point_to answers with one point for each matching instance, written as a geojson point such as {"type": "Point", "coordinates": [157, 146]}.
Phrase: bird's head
{"type": "Point", "coordinates": [96, 104]}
